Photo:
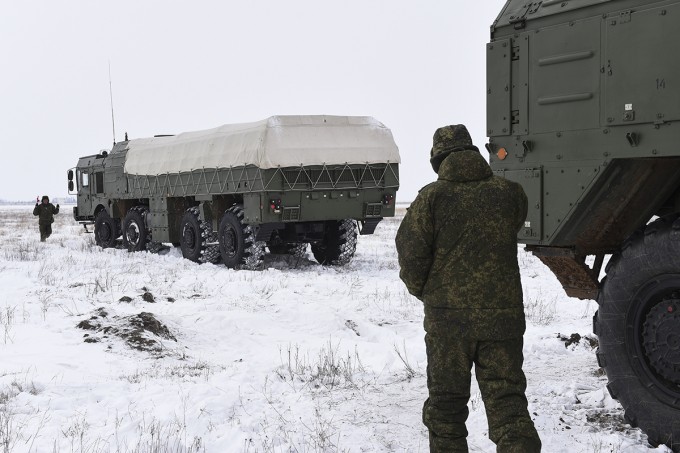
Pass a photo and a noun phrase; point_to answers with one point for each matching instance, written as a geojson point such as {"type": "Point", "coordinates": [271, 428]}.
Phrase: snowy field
{"type": "Point", "coordinates": [110, 351]}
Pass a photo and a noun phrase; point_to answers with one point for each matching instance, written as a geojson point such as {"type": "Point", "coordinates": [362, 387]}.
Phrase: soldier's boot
{"type": "Point", "coordinates": [525, 442]}
{"type": "Point", "coordinates": [447, 444]}
{"type": "Point", "coordinates": [502, 383]}
{"type": "Point", "coordinates": [449, 364]}
{"type": "Point", "coordinates": [448, 381]}
{"type": "Point", "coordinates": [446, 424]}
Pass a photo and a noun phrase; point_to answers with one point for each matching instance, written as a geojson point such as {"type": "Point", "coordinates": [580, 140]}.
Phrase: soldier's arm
{"type": "Point", "coordinates": [36, 210]}
{"type": "Point", "coordinates": [56, 209]}
{"type": "Point", "coordinates": [414, 246]}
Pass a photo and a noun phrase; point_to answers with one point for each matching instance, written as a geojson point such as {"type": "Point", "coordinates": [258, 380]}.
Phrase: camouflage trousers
{"type": "Point", "coordinates": [498, 367]}
{"type": "Point", "coordinates": [45, 232]}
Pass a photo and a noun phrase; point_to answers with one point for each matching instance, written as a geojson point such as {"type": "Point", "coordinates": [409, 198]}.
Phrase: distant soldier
{"type": "Point", "coordinates": [457, 250]}
{"type": "Point", "coordinates": [46, 211]}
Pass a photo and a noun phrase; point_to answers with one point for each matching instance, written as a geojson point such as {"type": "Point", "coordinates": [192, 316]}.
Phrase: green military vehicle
{"type": "Point", "coordinates": [584, 112]}
{"type": "Point", "coordinates": [225, 194]}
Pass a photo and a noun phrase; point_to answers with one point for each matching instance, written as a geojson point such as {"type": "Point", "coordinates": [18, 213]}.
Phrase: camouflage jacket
{"type": "Point", "coordinates": [457, 249]}
{"type": "Point", "coordinates": [45, 212]}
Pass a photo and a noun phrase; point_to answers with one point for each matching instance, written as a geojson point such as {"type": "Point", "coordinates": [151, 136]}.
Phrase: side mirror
{"type": "Point", "coordinates": [70, 176]}
{"type": "Point", "coordinates": [70, 186]}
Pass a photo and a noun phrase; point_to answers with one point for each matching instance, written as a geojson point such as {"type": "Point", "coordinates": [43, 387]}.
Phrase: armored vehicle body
{"type": "Point", "coordinates": [225, 194]}
{"type": "Point", "coordinates": [584, 111]}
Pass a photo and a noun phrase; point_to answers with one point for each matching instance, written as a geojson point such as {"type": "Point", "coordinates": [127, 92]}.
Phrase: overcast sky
{"type": "Point", "coordinates": [182, 66]}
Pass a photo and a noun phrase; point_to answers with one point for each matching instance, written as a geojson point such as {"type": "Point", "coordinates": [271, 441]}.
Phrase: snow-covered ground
{"type": "Point", "coordinates": [296, 358]}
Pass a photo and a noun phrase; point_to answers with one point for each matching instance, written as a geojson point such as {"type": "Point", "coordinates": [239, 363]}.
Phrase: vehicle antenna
{"type": "Point", "coordinates": [113, 121]}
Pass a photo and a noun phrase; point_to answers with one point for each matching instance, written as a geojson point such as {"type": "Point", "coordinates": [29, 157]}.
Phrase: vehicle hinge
{"type": "Point", "coordinates": [659, 121]}
{"type": "Point", "coordinates": [515, 117]}
{"type": "Point", "coordinates": [515, 53]}
{"type": "Point", "coordinates": [519, 22]}
{"type": "Point", "coordinates": [624, 17]}
{"type": "Point", "coordinates": [534, 7]}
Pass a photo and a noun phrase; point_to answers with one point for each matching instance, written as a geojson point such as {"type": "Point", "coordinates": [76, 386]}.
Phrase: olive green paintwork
{"type": "Point", "coordinates": [305, 194]}
{"type": "Point", "coordinates": [585, 97]}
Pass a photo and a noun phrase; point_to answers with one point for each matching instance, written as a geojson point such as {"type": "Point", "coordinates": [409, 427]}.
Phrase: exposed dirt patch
{"type": "Point", "coordinates": [147, 322]}
{"type": "Point", "coordinates": [143, 331]}
{"type": "Point", "coordinates": [147, 296]}
{"type": "Point", "coordinates": [352, 325]}
{"type": "Point", "coordinates": [94, 322]}
{"type": "Point", "coordinates": [575, 339]}
{"type": "Point", "coordinates": [592, 342]}
{"type": "Point", "coordinates": [88, 324]}
{"type": "Point", "coordinates": [608, 421]}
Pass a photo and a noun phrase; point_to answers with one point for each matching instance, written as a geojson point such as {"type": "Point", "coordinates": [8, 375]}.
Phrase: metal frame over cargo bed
{"type": "Point", "coordinates": [253, 179]}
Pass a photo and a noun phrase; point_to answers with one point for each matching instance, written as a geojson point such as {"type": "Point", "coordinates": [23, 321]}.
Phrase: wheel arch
{"type": "Point", "coordinates": [121, 207]}
{"type": "Point", "coordinates": [100, 207]}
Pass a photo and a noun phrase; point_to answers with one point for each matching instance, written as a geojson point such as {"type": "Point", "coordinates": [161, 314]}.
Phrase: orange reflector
{"type": "Point", "coordinates": [502, 154]}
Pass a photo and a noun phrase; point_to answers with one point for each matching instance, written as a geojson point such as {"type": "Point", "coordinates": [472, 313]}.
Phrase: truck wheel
{"type": "Point", "coordinates": [638, 325]}
{"type": "Point", "coordinates": [106, 230]}
{"type": "Point", "coordinates": [238, 247]}
{"type": "Point", "coordinates": [135, 234]}
{"type": "Point", "coordinates": [196, 235]}
{"type": "Point", "coordinates": [338, 245]}
{"type": "Point", "coordinates": [298, 249]}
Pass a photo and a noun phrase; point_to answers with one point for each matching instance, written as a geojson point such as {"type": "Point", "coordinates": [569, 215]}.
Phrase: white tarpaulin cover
{"type": "Point", "coordinates": [279, 141]}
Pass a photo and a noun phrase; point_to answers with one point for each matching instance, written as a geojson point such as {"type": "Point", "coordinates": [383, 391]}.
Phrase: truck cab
{"type": "Point", "coordinates": [87, 180]}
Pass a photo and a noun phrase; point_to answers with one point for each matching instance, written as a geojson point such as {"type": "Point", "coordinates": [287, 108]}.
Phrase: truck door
{"type": "Point", "coordinates": [84, 181]}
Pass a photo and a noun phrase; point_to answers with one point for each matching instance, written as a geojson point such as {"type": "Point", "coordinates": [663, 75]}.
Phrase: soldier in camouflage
{"type": "Point", "coordinates": [45, 212]}
{"type": "Point", "coordinates": [457, 250]}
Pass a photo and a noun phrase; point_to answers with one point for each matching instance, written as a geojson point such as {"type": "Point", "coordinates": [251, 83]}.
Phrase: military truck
{"type": "Point", "coordinates": [584, 111]}
{"type": "Point", "coordinates": [226, 193]}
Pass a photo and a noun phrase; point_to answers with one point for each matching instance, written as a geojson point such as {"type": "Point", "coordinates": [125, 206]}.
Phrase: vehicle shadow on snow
{"type": "Point", "coordinates": [282, 262]}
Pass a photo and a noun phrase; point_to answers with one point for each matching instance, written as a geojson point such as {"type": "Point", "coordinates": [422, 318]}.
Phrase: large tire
{"type": "Point", "coordinates": [106, 230]}
{"type": "Point", "coordinates": [238, 247]}
{"type": "Point", "coordinates": [638, 325]}
{"type": "Point", "coordinates": [338, 245]}
{"type": "Point", "coordinates": [297, 249]}
{"type": "Point", "coordinates": [197, 238]}
{"type": "Point", "coordinates": [136, 235]}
